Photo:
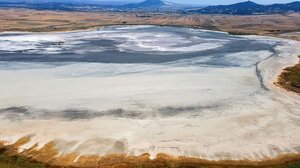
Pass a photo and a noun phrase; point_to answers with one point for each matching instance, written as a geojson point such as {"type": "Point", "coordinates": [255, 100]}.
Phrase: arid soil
{"type": "Point", "coordinates": [46, 21]}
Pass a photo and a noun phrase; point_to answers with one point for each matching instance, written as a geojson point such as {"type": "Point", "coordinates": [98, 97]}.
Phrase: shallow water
{"type": "Point", "coordinates": [154, 89]}
{"type": "Point", "coordinates": [144, 44]}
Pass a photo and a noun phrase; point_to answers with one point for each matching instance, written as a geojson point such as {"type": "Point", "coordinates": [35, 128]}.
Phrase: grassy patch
{"type": "Point", "coordinates": [240, 33]}
{"type": "Point", "coordinates": [294, 165]}
{"type": "Point", "coordinates": [7, 161]}
{"type": "Point", "coordinates": [290, 78]}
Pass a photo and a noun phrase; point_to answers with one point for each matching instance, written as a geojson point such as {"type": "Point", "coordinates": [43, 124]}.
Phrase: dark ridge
{"type": "Point", "coordinates": [250, 8]}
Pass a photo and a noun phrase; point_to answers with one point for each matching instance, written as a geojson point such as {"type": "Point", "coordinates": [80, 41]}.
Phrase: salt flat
{"type": "Point", "coordinates": [149, 89]}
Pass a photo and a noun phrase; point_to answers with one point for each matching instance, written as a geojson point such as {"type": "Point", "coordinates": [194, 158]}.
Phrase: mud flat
{"type": "Point", "coordinates": [124, 94]}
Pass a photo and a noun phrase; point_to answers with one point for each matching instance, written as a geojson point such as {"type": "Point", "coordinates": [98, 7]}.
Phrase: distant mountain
{"type": "Point", "coordinates": [250, 8]}
{"type": "Point", "coordinates": [92, 5]}
{"type": "Point", "coordinates": [242, 8]}
{"type": "Point", "coordinates": [289, 7]}
{"type": "Point", "coordinates": [67, 5]}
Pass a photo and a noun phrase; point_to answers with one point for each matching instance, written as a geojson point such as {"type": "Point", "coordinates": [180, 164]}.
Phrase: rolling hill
{"type": "Point", "coordinates": [250, 8]}
{"type": "Point", "coordinates": [80, 5]}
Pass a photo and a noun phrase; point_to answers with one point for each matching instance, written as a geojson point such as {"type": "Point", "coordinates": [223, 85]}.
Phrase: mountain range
{"type": "Point", "coordinates": [243, 8]}
{"type": "Point", "coordinates": [81, 5]}
{"type": "Point", "coordinates": [250, 8]}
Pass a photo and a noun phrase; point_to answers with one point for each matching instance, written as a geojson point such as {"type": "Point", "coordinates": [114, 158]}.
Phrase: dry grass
{"type": "Point", "coordinates": [290, 78]}
{"type": "Point", "coordinates": [48, 157]}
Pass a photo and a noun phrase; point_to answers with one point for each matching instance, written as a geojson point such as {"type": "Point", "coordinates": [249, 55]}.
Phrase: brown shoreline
{"type": "Point", "coordinates": [47, 156]}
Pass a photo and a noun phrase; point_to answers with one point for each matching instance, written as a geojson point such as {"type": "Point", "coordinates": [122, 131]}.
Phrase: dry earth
{"type": "Point", "coordinates": [45, 21]}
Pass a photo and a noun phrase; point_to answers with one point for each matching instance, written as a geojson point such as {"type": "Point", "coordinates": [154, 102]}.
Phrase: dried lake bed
{"type": "Point", "coordinates": [149, 89]}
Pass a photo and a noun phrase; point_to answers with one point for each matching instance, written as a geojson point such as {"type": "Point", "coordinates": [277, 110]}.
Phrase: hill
{"type": "Point", "coordinates": [81, 5]}
{"type": "Point", "coordinates": [250, 8]}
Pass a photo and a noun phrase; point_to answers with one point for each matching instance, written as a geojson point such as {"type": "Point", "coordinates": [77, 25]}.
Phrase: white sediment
{"type": "Point", "coordinates": [198, 111]}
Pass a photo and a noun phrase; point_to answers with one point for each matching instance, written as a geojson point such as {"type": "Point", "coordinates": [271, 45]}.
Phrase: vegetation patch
{"type": "Point", "coordinates": [240, 33]}
{"type": "Point", "coordinates": [290, 78]}
{"type": "Point", "coordinates": [7, 161]}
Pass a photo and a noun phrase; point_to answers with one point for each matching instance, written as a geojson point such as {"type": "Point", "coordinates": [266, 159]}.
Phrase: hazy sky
{"type": "Point", "coordinates": [216, 2]}
{"type": "Point", "coordinates": [195, 2]}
